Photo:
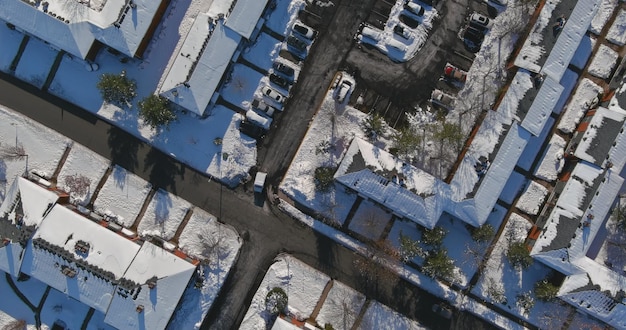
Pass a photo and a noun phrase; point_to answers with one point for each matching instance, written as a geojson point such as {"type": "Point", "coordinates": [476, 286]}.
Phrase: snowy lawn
{"type": "Point", "coordinates": [553, 160]}
{"type": "Point", "coordinates": [263, 52]}
{"type": "Point", "coordinates": [241, 86]}
{"type": "Point", "coordinates": [60, 307]}
{"type": "Point", "coordinates": [501, 283]}
{"type": "Point", "coordinates": [84, 162]}
{"type": "Point", "coordinates": [206, 239]}
{"type": "Point", "coordinates": [341, 307]}
{"type": "Point", "coordinates": [602, 15]}
{"type": "Point", "coordinates": [603, 62]}
{"type": "Point", "coordinates": [586, 91]}
{"type": "Point", "coordinates": [11, 41]}
{"type": "Point", "coordinates": [43, 147]}
{"type": "Point", "coordinates": [370, 220]}
{"type": "Point", "coordinates": [36, 62]}
{"type": "Point", "coordinates": [532, 198]}
{"type": "Point", "coordinates": [164, 214]}
{"type": "Point", "coordinates": [302, 284]}
{"type": "Point", "coordinates": [381, 317]}
{"type": "Point", "coordinates": [122, 196]}
{"type": "Point", "coordinates": [617, 33]}
{"type": "Point", "coordinates": [282, 17]}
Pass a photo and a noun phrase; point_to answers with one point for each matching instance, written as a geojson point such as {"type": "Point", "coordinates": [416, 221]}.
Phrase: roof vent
{"type": "Point", "coordinates": [139, 309]}
{"type": "Point", "coordinates": [152, 282]}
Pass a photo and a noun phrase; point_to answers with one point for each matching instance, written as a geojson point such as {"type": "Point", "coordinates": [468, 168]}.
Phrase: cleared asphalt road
{"type": "Point", "coordinates": [267, 234]}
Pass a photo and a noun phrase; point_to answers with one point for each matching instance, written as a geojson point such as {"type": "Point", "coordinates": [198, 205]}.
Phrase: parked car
{"type": "Point", "coordinates": [304, 31]}
{"type": "Point", "coordinates": [441, 99]}
{"type": "Point", "coordinates": [479, 22]}
{"type": "Point", "coordinates": [414, 8]}
{"type": "Point", "coordinates": [409, 21]}
{"type": "Point", "coordinates": [271, 93]}
{"type": "Point", "coordinates": [262, 106]}
{"type": "Point", "coordinates": [296, 43]}
{"type": "Point", "coordinates": [279, 81]}
{"type": "Point", "coordinates": [401, 31]}
{"type": "Point", "coordinates": [343, 91]}
{"type": "Point", "coordinates": [285, 70]}
{"type": "Point", "coordinates": [442, 311]}
{"type": "Point", "coordinates": [252, 130]}
{"type": "Point", "coordinates": [454, 73]}
{"type": "Point", "coordinates": [258, 119]}
{"type": "Point", "coordinates": [473, 39]}
{"type": "Point", "coordinates": [371, 33]}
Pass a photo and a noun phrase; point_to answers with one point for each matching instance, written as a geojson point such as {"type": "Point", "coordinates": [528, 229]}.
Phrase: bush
{"type": "Point", "coordinates": [276, 301]}
{"type": "Point", "coordinates": [620, 217]}
{"type": "Point", "coordinates": [117, 88]}
{"type": "Point", "coordinates": [406, 142]}
{"type": "Point", "coordinates": [439, 265]}
{"type": "Point", "coordinates": [545, 291]}
{"type": "Point", "coordinates": [518, 255]}
{"type": "Point", "coordinates": [434, 237]}
{"type": "Point", "coordinates": [373, 125]}
{"type": "Point", "coordinates": [328, 326]}
{"type": "Point", "coordinates": [483, 233]}
{"type": "Point", "coordinates": [324, 178]}
{"type": "Point", "coordinates": [156, 111]}
{"type": "Point", "coordinates": [525, 301]}
{"type": "Point", "coordinates": [410, 248]}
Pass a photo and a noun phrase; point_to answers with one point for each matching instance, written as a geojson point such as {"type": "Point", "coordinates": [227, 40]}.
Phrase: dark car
{"type": "Point", "coordinates": [473, 39]}
{"type": "Point", "coordinates": [296, 43]}
{"type": "Point", "coordinates": [279, 81]}
{"type": "Point", "coordinates": [285, 70]}
{"type": "Point", "coordinates": [409, 21]}
{"type": "Point", "coordinates": [251, 130]}
{"type": "Point", "coordinates": [442, 311]}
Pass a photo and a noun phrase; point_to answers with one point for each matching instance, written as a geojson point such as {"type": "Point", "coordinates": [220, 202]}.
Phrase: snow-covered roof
{"type": "Point", "coordinates": [580, 210]}
{"type": "Point", "coordinates": [116, 24]}
{"type": "Point", "coordinates": [499, 172]}
{"type": "Point", "coordinates": [542, 106]}
{"type": "Point", "coordinates": [603, 130]}
{"type": "Point", "coordinates": [35, 200]}
{"type": "Point", "coordinates": [244, 17]}
{"type": "Point", "coordinates": [588, 291]}
{"type": "Point", "coordinates": [575, 28]}
{"type": "Point", "coordinates": [172, 276]}
{"type": "Point", "coordinates": [191, 81]}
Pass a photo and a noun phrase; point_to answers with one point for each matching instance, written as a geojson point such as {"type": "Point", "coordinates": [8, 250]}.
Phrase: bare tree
{"type": "Point", "coordinates": [12, 152]}
{"type": "Point", "coordinates": [15, 325]}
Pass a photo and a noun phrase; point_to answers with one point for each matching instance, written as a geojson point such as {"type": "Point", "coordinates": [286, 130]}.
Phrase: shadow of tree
{"type": "Point", "coordinates": [162, 169]}
{"type": "Point", "coordinates": [124, 148]}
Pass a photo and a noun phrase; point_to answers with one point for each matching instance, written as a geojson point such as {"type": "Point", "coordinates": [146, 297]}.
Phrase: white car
{"type": "Point", "coordinates": [343, 91]}
{"type": "Point", "coordinates": [304, 31]}
{"type": "Point", "coordinates": [414, 8]}
{"type": "Point", "coordinates": [271, 93]}
{"type": "Point", "coordinates": [258, 119]}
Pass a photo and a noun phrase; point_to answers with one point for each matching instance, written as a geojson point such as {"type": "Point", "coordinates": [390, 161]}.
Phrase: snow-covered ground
{"type": "Point", "coordinates": [122, 196]}
{"type": "Point", "coordinates": [602, 15]}
{"type": "Point", "coordinates": [603, 62]}
{"type": "Point", "coordinates": [586, 91]}
{"type": "Point", "coordinates": [304, 285]}
{"type": "Point", "coordinates": [617, 32]}
{"type": "Point", "coordinates": [163, 216]}
{"type": "Point", "coordinates": [532, 198]}
{"type": "Point", "coordinates": [553, 160]}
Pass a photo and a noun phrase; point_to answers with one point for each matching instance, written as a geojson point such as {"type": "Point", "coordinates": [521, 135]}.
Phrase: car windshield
{"type": "Point", "coordinates": [300, 29]}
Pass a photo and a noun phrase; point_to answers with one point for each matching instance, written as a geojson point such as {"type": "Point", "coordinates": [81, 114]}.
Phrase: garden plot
{"type": "Point", "coordinates": [370, 220]}
{"type": "Point", "coordinates": [81, 173]}
{"type": "Point", "coordinates": [341, 307]}
{"type": "Point", "coordinates": [205, 238]}
{"type": "Point", "coordinates": [302, 284]}
{"type": "Point", "coordinates": [532, 198]}
{"type": "Point", "coordinates": [603, 62]}
{"type": "Point", "coordinates": [381, 317]}
{"type": "Point", "coordinates": [11, 40]}
{"type": "Point", "coordinates": [36, 62]}
{"type": "Point", "coordinates": [40, 148]}
{"type": "Point", "coordinates": [164, 214]}
{"type": "Point", "coordinates": [122, 196]}
{"type": "Point", "coordinates": [552, 161]}
{"type": "Point", "coordinates": [60, 307]}
{"type": "Point", "coordinates": [617, 33]}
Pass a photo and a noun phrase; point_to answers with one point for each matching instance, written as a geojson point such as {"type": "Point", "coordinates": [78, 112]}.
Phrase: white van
{"type": "Point", "coordinates": [371, 33]}
{"type": "Point", "coordinates": [344, 89]}
{"type": "Point", "coordinates": [258, 119]}
{"type": "Point", "coordinates": [259, 182]}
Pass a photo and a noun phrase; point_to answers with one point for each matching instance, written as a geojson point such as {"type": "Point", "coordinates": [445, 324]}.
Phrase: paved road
{"type": "Point", "coordinates": [266, 234]}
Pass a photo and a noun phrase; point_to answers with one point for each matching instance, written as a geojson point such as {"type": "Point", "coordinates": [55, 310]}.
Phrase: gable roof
{"type": "Point", "coordinates": [244, 17]}
{"type": "Point", "coordinates": [192, 80]}
{"type": "Point", "coordinates": [543, 104]}
{"type": "Point", "coordinates": [116, 25]}
{"type": "Point", "coordinates": [172, 276]}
